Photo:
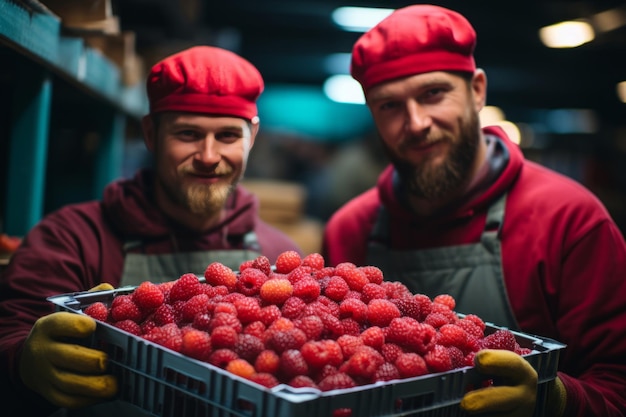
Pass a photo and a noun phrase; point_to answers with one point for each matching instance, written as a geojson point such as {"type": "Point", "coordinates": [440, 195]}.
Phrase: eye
{"type": "Point", "coordinates": [388, 105]}
{"type": "Point", "coordinates": [228, 136]}
{"type": "Point", "coordinates": [187, 135]}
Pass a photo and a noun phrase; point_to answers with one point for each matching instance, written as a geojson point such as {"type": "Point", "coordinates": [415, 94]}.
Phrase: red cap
{"type": "Point", "coordinates": [205, 79]}
{"type": "Point", "coordinates": [413, 40]}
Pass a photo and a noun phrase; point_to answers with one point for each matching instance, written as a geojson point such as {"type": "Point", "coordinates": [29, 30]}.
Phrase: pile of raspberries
{"type": "Point", "coordinates": [304, 324]}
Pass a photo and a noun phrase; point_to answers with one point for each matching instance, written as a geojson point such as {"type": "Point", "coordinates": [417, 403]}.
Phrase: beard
{"type": "Point", "coordinates": [428, 181]}
{"type": "Point", "coordinates": [203, 200]}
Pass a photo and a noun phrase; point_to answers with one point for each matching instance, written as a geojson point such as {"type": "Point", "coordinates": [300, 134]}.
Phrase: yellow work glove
{"type": "Point", "coordinates": [516, 391]}
{"type": "Point", "coordinates": [105, 286]}
{"type": "Point", "coordinates": [66, 374]}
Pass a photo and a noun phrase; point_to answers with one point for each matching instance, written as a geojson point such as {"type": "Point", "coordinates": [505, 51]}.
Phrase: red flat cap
{"type": "Point", "coordinates": [413, 40]}
{"type": "Point", "coordinates": [205, 79]}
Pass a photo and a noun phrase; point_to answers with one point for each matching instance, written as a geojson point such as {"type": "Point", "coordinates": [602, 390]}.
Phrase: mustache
{"type": "Point", "coordinates": [218, 171]}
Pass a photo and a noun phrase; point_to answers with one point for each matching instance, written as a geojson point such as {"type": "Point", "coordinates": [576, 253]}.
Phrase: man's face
{"type": "Point", "coordinates": [199, 159]}
{"type": "Point", "coordinates": [430, 129]}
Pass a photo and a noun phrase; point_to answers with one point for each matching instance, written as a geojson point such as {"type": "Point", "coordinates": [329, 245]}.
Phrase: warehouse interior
{"type": "Point", "coordinates": [73, 75]}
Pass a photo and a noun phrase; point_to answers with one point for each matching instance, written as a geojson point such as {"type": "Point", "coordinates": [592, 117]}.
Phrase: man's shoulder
{"type": "Point", "coordinates": [361, 208]}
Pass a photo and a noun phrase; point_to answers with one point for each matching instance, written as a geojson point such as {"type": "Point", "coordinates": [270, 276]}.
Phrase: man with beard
{"type": "Point", "coordinates": [178, 217]}
{"type": "Point", "coordinates": [460, 211]}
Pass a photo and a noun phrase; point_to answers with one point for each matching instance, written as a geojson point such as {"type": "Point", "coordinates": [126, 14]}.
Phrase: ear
{"type": "Point", "coordinates": [148, 132]}
{"type": "Point", "coordinates": [479, 89]}
{"type": "Point", "coordinates": [254, 129]}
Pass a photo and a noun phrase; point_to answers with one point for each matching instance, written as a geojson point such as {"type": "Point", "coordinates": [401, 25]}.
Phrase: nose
{"type": "Point", "coordinates": [208, 151]}
{"type": "Point", "coordinates": [417, 118]}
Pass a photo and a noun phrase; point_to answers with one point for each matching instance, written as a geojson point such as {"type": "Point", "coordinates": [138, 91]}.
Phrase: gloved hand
{"type": "Point", "coordinates": [104, 286]}
{"type": "Point", "coordinates": [516, 392]}
{"type": "Point", "coordinates": [66, 374]}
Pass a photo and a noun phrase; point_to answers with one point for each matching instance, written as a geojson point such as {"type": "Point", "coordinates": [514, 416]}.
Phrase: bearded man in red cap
{"type": "Point", "coordinates": [177, 218]}
{"type": "Point", "coordinates": [459, 211]}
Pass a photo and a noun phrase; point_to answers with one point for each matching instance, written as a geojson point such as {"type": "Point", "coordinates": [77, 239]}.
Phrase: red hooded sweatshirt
{"type": "Point", "coordinates": [563, 259]}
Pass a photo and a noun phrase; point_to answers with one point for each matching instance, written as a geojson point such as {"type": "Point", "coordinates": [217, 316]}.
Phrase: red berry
{"type": "Point", "coordinates": [314, 260]}
{"type": "Point", "coordinates": [438, 359]}
{"type": "Point", "coordinates": [262, 263]}
{"type": "Point", "coordinates": [373, 274]}
{"type": "Point", "coordinates": [323, 352]}
{"type": "Point", "coordinates": [196, 344]}
{"type": "Point", "coordinates": [308, 289]}
{"type": "Point", "coordinates": [276, 291]}
{"type": "Point", "coordinates": [339, 380]}
{"type": "Point", "coordinates": [445, 299]}
{"type": "Point", "coordinates": [129, 326]}
{"type": "Point", "coordinates": [381, 312]}
{"type": "Point", "coordinates": [219, 274]}
{"type": "Point", "coordinates": [250, 281]}
{"type": "Point", "coordinates": [148, 296]}
{"type": "Point", "coordinates": [336, 288]}
{"type": "Point", "coordinates": [267, 361]}
{"type": "Point", "coordinates": [287, 262]}
{"type": "Point", "coordinates": [124, 308]}
{"type": "Point", "coordinates": [266, 379]}
{"type": "Point", "coordinates": [411, 364]}
{"type": "Point", "coordinates": [97, 310]}
{"type": "Point", "coordinates": [185, 287]}
{"type": "Point", "coordinates": [292, 363]}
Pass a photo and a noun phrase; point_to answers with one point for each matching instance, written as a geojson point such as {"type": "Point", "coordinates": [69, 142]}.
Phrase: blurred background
{"type": "Point", "coordinates": [556, 81]}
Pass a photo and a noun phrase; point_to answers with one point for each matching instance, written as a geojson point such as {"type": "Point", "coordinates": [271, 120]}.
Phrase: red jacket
{"type": "Point", "coordinates": [563, 257]}
{"type": "Point", "coordinates": [80, 246]}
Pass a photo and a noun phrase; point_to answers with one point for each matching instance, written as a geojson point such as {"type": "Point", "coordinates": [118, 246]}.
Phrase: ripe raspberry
{"type": "Point", "coordinates": [299, 274]}
{"type": "Point", "coordinates": [476, 320]}
{"type": "Point", "coordinates": [471, 328]}
{"type": "Point", "coordinates": [123, 308]}
{"type": "Point", "coordinates": [408, 307]}
{"type": "Point", "coordinates": [327, 271]}
{"type": "Point", "coordinates": [314, 260]}
{"type": "Point", "coordinates": [288, 261]}
{"type": "Point", "coordinates": [245, 265]}
{"type": "Point", "coordinates": [364, 363]}
{"type": "Point", "coordinates": [250, 281]}
{"type": "Point", "coordinates": [222, 357]}
{"type": "Point", "coordinates": [391, 351]}
{"type": "Point", "coordinates": [500, 339]}
{"type": "Point", "coordinates": [223, 337]}
{"type": "Point", "coordinates": [308, 289]}
{"type": "Point", "coordinates": [255, 328]}
{"type": "Point", "coordinates": [438, 359]}
{"type": "Point", "coordinates": [386, 372]}
{"type": "Point", "coordinates": [353, 308]}
{"type": "Point", "coordinates": [224, 307]}
{"type": "Point", "coordinates": [262, 263]}
{"type": "Point", "coordinates": [411, 334]}
{"type": "Point", "coordinates": [202, 322]}
{"type": "Point", "coordinates": [323, 352]}
{"type": "Point", "coordinates": [196, 344]}
{"type": "Point", "coordinates": [381, 312]}
{"type": "Point", "coordinates": [373, 336]}
{"type": "Point", "coordinates": [248, 310]}
{"type": "Point", "coordinates": [292, 363]}
{"type": "Point", "coordinates": [350, 326]}
{"type": "Point", "coordinates": [269, 314]}
{"type": "Point", "coordinates": [98, 311]}
{"type": "Point", "coordinates": [240, 367]}
{"type": "Point", "coordinates": [456, 356]}
{"type": "Point", "coordinates": [194, 306]}
{"type": "Point", "coordinates": [349, 344]}
{"type": "Point", "coordinates": [373, 291]}
{"type": "Point", "coordinates": [373, 274]}
{"type": "Point", "coordinates": [437, 320]}
{"type": "Point", "coordinates": [129, 326]}
{"type": "Point", "coordinates": [445, 299]}
{"type": "Point", "coordinates": [267, 361]}
{"type": "Point", "coordinates": [396, 289]}
{"type": "Point", "coordinates": [147, 326]}
{"type": "Point", "coordinates": [293, 307]}
{"type": "Point", "coordinates": [354, 277]}
{"type": "Point", "coordinates": [282, 340]}
{"type": "Point", "coordinates": [425, 305]}
{"type": "Point", "coordinates": [164, 314]}
{"type": "Point", "coordinates": [336, 288]}
{"type": "Point", "coordinates": [169, 336]}
{"type": "Point", "coordinates": [185, 287]}
{"type": "Point", "coordinates": [281, 324]}
{"type": "Point", "coordinates": [266, 379]}
{"type": "Point", "coordinates": [219, 274]}
{"type": "Point", "coordinates": [276, 291]}
{"type": "Point", "coordinates": [339, 380]}
{"type": "Point", "coordinates": [312, 326]}
{"type": "Point", "coordinates": [248, 347]}
{"type": "Point", "coordinates": [452, 335]}
{"type": "Point", "coordinates": [445, 310]}
{"type": "Point", "coordinates": [302, 381]}
{"type": "Point", "coordinates": [148, 296]}
{"type": "Point", "coordinates": [411, 364]}
{"type": "Point", "coordinates": [226, 319]}
{"type": "Point", "coordinates": [333, 327]}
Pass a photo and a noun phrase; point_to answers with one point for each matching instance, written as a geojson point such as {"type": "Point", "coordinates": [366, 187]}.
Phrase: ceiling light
{"type": "Point", "coordinates": [566, 34]}
{"type": "Point", "coordinates": [359, 19]}
{"type": "Point", "coordinates": [344, 89]}
{"type": "Point", "coordinates": [490, 115]}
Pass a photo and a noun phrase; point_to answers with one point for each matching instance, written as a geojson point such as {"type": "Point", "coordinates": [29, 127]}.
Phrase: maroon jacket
{"type": "Point", "coordinates": [81, 245]}
{"type": "Point", "coordinates": [563, 259]}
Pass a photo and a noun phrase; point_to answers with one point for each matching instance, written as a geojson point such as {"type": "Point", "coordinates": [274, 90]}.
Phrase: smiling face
{"type": "Point", "coordinates": [199, 160]}
{"type": "Point", "coordinates": [430, 129]}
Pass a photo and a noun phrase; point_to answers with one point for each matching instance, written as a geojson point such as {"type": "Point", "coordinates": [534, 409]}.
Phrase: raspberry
{"type": "Point", "coordinates": [147, 326]}
{"type": "Point", "coordinates": [148, 296]}
{"type": "Point", "coordinates": [224, 307]}
{"type": "Point", "coordinates": [373, 274]}
{"type": "Point", "coordinates": [336, 288]}
{"type": "Point", "coordinates": [194, 306]}
{"type": "Point", "coordinates": [476, 320]}
{"type": "Point", "coordinates": [202, 322]}
{"type": "Point", "coordinates": [219, 274]}
{"type": "Point", "coordinates": [240, 367]}
{"type": "Point", "coordinates": [438, 359]}
{"type": "Point", "coordinates": [408, 307]}
{"type": "Point", "coordinates": [185, 287]}
{"type": "Point", "coordinates": [411, 364]}
{"type": "Point", "coordinates": [196, 344]}
{"type": "Point", "coordinates": [292, 363]}
{"type": "Point", "coordinates": [293, 307]}
{"type": "Point", "coordinates": [332, 325]}
{"type": "Point", "coordinates": [164, 314]}
{"type": "Point", "coordinates": [456, 356]}
{"type": "Point", "coordinates": [276, 291]}
{"type": "Point", "coordinates": [255, 328]}
{"type": "Point", "coordinates": [129, 326]}
{"type": "Point", "coordinates": [381, 312]}
{"type": "Point", "coordinates": [245, 265]}
{"type": "Point", "coordinates": [452, 335]}
{"type": "Point", "coordinates": [222, 357]}
{"type": "Point", "coordinates": [250, 281]}
{"type": "Point", "coordinates": [267, 361]}
{"type": "Point", "coordinates": [445, 299]}
{"type": "Point", "coordinates": [373, 291]}
{"type": "Point", "coordinates": [425, 305]}
{"type": "Point", "coordinates": [226, 319]}
{"type": "Point", "coordinates": [223, 337]}
{"type": "Point", "coordinates": [349, 344]}
{"type": "Point", "coordinates": [302, 381]}
{"type": "Point", "coordinates": [350, 326]}
{"type": "Point", "coordinates": [354, 277]}
{"type": "Point", "coordinates": [353, 308]}
{"type": "Point", "coordinates": [396, 289]}
{"type": "Point", "coordinates": [314, 260]}
{"type": "Point", "coordinates": [299, 274]}
{"type": "Point", "coordinates": [391, 351]}
{"type": "Point", "coordinates": [339, 380]}
{"type": "Point", "coordinates": [269, 314]}
{"type": "Point", "coordinates": [287, 262]}
{"type": "Point", "coordinates": [386, 372]}
{"type": "Point", "coordinates": [262, 263]}
{"type": "Point", "coordinates": [373, 336]}
{"type": "Point", "coordinates": [323, 352]}
{"type": "Point", "coordinates": [411, 334]}
{"type": "Point", "coordinates": [445, 310]}
{"type": "Point", "coordinates": [169, 336]}
{"type": "Point", "coordinates": [281, 324]}
{"type": "Point", "coordinates": [363, 363]}
{"type": "Point", "coordinates": [248, 346]}
{"type": "Point", "coordinates": [327, 271]}
{"type": "Point", "coordinates": [263, 378]}
{"type": "Point", "coordinates": [437, 320]}
{"type": "Point", "coordinates": [123, 308]}
{"type": "Point", "coordinates": [471, 328]}
{"type": "Point", "coordinates": [282, 340]}
{"type": "Point", "coordinates": [500, 339]}
{"type": "Point", "coordinates": [308, 289]}
{"type": "Point", "coordinates": [248, 310]}
{"type": "Point", "coordinates": [312, 326]}
{"type": "Point", "coordinates": [97, 311]}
